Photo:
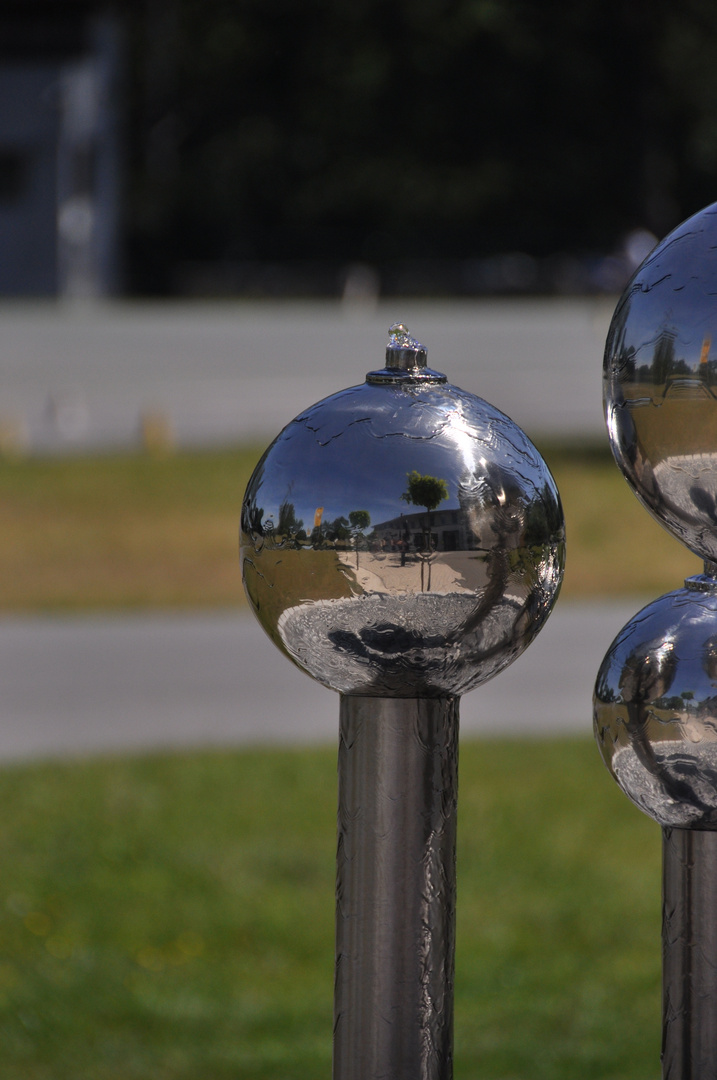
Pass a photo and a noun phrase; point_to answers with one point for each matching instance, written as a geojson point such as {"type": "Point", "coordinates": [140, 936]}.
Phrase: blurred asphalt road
{"type": "Point", "coordinates": [76, 686]}
{"type": "Point", "coordinates": [76, 377]}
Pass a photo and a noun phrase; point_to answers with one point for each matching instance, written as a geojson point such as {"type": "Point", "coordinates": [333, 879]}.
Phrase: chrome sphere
{"type": "Point", "coordinates": [660, 383]}
{"type": "Point", "coordinates": [655, 707]}
{"type": "Point", "coordinates": [402, 538]}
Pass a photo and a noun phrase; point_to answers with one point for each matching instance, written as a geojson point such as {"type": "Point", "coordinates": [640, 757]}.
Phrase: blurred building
{"type": "Point", "coordinates": [59, 148]}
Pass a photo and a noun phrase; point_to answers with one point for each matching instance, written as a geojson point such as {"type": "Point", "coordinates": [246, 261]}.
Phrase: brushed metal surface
{"type": "Point", "coordinates": [689, 950]}
{"type": "Point", "coordinates": [395, 889]}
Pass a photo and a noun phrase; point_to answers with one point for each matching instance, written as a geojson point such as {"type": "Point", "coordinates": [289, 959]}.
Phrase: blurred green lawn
{"type": "Point", "coordinates": [170, 917]}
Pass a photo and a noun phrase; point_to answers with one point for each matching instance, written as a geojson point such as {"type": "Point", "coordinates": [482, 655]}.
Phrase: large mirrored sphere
{"type": "Point", "coordinates": [660, 383]}
{"type": "Point", "coordinates": [655, 707]}
{"type": "Point", "coordinates": [402, 540]}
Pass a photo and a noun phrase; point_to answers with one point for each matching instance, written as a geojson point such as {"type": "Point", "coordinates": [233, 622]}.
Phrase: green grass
{"type": "Point", "coordinates": [171, 918]}
{"type": "Point", "coordinates": [140, 532]}
{"type": "Point", "coordinates": [122, 531]}
{"type": "Point", "coordinates": [614, 546]}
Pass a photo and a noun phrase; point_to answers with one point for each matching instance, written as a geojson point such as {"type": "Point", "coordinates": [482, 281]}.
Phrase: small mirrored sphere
{"type": "Point", "coordinates": [402, 538]}
{"type": "Point", "coordinates": [660, 383]}
{"type": "Point", "coordinates": [655, 707]}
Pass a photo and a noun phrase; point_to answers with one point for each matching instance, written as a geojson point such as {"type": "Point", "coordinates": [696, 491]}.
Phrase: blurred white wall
{"type": "Point", "coordinates": [82, 376]}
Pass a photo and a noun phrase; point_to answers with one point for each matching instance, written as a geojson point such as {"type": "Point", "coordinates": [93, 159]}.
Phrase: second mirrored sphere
{"type": "Point", "coordinates": [655, 707]}
{"type": "Point", "coordinates": [660, 383]}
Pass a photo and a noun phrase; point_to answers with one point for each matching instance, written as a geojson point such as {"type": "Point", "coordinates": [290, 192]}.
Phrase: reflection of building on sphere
{"type": "Point", "coordinates": [449, 531]}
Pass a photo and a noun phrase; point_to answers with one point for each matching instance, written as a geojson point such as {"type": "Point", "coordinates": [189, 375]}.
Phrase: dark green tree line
{"type": "Point", "coordinates": [308, 129]}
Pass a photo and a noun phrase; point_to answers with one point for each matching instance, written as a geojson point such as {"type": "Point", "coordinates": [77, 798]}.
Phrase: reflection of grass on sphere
{"type": "Point", "coordinates": [172, 916]}
{"type": "Point", "coordinates": [130, 531]}
{"type": "Point", "coordinates": [679, 423]}
{"type": "Point", "coordinates": [304, 574]}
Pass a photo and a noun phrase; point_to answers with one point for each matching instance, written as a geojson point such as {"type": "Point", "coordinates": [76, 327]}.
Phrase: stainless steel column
{"type": "Point", "coordinates": [438, 475]}
{"type": "Point", "coordinates": [689, 954]}
{"type": "Point", "coordinates": [395, 889]}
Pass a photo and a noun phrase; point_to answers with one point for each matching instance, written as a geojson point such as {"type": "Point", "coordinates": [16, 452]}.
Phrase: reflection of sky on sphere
{"type": "Point", "coordinates": [675, 290]}
{"type": "Point", "coordinates": [376, 482]}
{"type": "Point", "coordinates": [351, 457]}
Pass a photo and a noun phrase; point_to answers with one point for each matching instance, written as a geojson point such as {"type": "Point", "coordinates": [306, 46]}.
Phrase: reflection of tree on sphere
{"type": "Point", "coordinates": [359, 521]}
{"type": "Point", "coordinates": [428, 491]}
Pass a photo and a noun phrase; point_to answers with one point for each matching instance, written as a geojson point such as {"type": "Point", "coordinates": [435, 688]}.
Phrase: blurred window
{"type": "Point", "coordinates": [83, 165]}
{"type": "Point", "coordinates": [13, 175]}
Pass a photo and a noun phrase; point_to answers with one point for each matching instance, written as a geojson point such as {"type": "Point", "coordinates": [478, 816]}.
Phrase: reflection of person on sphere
{"type": "Point", "coordinates": [497, 522]}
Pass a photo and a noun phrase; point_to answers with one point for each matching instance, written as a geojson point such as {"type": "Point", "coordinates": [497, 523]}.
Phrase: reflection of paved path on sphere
{"type": "Point", "coordinates": [451, 571]}
{"type": "Point", "coordinates": [693, 763]}
{"type": "Point", "coordinates": [382, 643]}
{"type": "Point", "coordinates": [680, 475]}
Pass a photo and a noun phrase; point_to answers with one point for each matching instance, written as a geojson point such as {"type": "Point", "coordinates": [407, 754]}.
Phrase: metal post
{"type": "Point", "coordinates": [655, 691]}
{"type": "Point", "coordinates": [689, 954]}
{"type": "Point", "coordinates": [395, 888]}
{"type": "Point", "coordinates": [401, 647]}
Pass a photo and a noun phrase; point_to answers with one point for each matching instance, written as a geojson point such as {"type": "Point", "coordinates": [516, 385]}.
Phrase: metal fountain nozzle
{"type": "Point", "coordinates": [655, 703]}
{"type": "Point", "coordinates": [402, 542]}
